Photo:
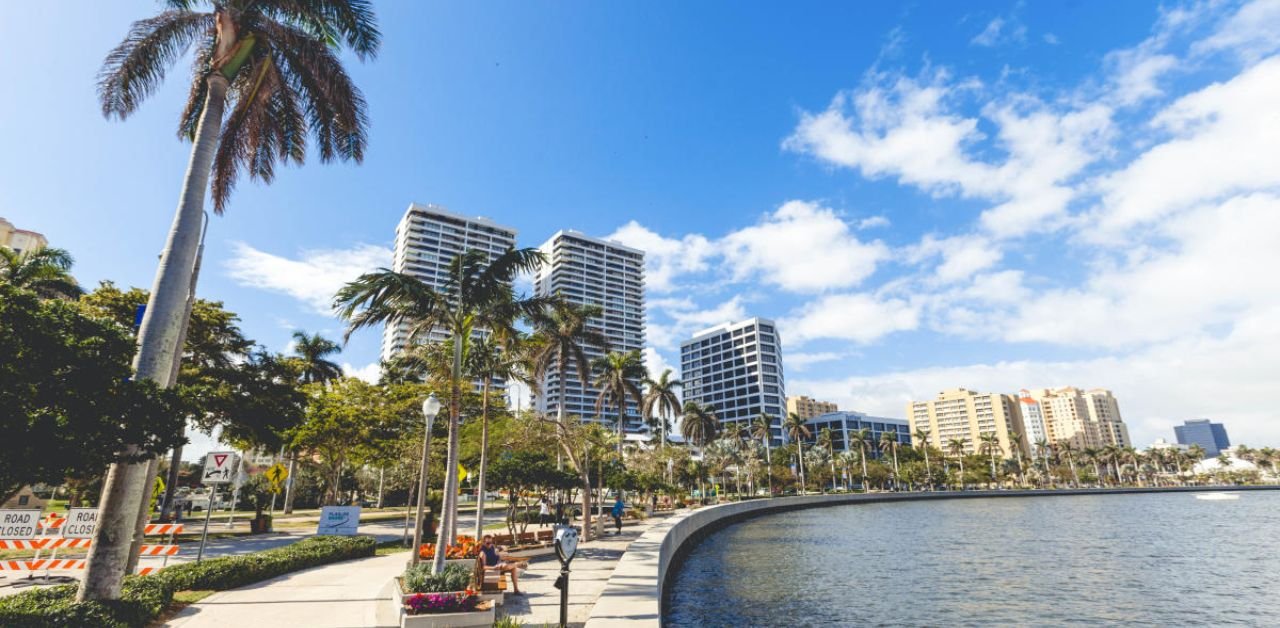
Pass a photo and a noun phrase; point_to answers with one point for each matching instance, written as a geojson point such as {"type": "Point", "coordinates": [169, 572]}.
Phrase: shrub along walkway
{"type": "Point", "coordinates": [346, 594]}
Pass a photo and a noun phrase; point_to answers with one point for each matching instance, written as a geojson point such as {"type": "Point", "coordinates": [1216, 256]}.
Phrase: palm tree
{"type": "Point", "coordinates": [310, 353]}
{"type": "Point", "coordinates": [862, 439]}
{"type": "Point", "coordinates": [487, 361]}
{"type": "Point", "coordinates": [275, 62]}
{"type": "Point", "coordinates": [827, 441]}
{"type": "Point", "coordinates": [1135, 459]}
{"type": "Point", "coordinates": [661, 400]}
{"type": "Point", "coordinates": [476, 295]}
{"type": "Point", "coordinates": [796, 429]}
{"type": "Point", "coordinates": [1093, 455]}
{"type": "Point", "coordinates": [1068, 451]}
{"type": "Point", "coordinates": [561, 332]}
{"type": "Point", "coordinates": [889, 444]}
{"type": "Point", "coordinates": [957, 448]}
{"type": "Point", "coordinates": [1015, 451]}
{"type": "Point", "coordinates": [700, 424]}
{"type": "Point", "coordinates": [989, 444]}
{"type": "Point", "coordinates": [1042, 448]}
{"type": "Point", "coordinates": [762, 428]}
{"type": "Point", "coordinates": [618, 376]}
{"type": "Point", "coordinates": [46, 272]}
{"type": "Point", "coordinates": [921, 436]}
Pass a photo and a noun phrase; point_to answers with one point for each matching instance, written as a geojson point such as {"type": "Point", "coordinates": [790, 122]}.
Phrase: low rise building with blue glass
{"type": "Point", "coordinates": [843, 423]}
{"type": "Point", "coordinates": [1211, 436]}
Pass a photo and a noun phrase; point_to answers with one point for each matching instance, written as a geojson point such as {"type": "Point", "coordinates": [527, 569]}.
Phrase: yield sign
{"type": "Point", "coordinates": [219, 467]}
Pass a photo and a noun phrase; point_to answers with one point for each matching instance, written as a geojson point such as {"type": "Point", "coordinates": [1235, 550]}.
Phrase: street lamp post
{"type": "Point", "coordinates": [430, 408]}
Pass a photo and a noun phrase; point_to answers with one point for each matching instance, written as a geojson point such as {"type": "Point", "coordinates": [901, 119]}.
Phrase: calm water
{"type": "Point", "coordinates": [1132, 560]}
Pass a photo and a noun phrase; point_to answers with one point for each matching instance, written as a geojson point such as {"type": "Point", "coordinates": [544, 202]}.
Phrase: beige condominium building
{"type": "Point", "coordinates": [808, 408]}
{"type": "Point", "coordinates": [20, 240]}
{"type": "Point", "coordinates": [1087, 418]}
{"type": "Point", "coordinates": [965, 415]}
{"type": "Point", "coordinates": [1084, 418]}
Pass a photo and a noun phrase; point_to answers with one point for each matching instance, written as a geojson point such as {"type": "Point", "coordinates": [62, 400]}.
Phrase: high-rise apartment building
{"type": "Point", "coordinates": [737, 369]}
{"type": "Point", "coordinates": [590, 271]}
{"type": "Point", "coordinates": [20, 240]}
{"type": "Point", "coordinates": [427, 239]}
{"type": "Point", "coordinates": [1211, 436]}
{"type": "Point", "coordinates": [960, 414]}
{"type": "Point", "coordinates": [1083, 418]}
{"type": "Point", "coordinates": [1032, 422]}
{"type": "Point", "coordinates": [808, 408]}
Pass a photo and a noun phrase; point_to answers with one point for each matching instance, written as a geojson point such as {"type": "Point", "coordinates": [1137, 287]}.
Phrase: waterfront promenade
{"type": "Point", "coordinates": [356, 593]}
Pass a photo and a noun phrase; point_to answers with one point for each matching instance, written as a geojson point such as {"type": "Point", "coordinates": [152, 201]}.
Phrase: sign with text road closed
{"type": "Point", "coordinates": [18, 524]}
{"type": "Point", "coordinates": [339, 520]}
{"type": "Point", "coordinates": [219, 467]}
{"type": "Point", "coordinates": [81, 523]}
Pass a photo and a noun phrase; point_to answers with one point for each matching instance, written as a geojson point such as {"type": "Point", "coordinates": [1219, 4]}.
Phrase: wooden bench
{"type": "Point", "coordinates": [546, 537]}
{"type": "Point", "coordinates": [503, 539]}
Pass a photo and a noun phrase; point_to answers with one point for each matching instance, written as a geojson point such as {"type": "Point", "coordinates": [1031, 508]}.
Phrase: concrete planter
{"type": "Point", "coordinates": [400, 597]}
{"type": "Point", "coordinates": [450, 620]}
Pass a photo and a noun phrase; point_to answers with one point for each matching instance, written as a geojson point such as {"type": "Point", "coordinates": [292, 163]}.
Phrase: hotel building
{"type": "Point", "coordinates": [427, 239]}
{"type": "Point", "coordinates": [808, 408]}
{"type": "Point", "coordinates": [962, 414]}
{"type": "Point", "coordinates": [737, 369]}
{"type": "Point", "coordinates": [1083, 418]}
{"type": "Point", "coordinates": [589, 271]}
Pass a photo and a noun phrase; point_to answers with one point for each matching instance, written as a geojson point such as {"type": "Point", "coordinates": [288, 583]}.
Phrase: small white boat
{"type": "Point", "coordinates": [1217, 497]}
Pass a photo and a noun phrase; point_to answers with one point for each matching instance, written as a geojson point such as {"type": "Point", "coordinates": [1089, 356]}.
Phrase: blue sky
{"type": "Point", "coordinates": [925, 195]}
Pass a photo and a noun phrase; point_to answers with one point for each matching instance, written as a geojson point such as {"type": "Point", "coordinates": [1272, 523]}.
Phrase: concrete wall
{"type": "Point", "coordinates": [633, 596]}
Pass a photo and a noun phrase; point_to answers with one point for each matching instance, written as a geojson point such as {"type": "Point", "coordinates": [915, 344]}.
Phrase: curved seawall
{"type": "Point", "coordinates": [633, 596]}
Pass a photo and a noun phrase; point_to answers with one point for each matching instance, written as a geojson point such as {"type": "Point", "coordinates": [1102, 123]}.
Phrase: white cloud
{"type": "Point", "coordinates": [369, 372]}
{"type": "Point", "coordinates": [799, 360]}
{"type": "Point", "coordinates": [911, 129]}
{"type": "Point", "coordinates": [656, 363]}
{"type": "Point", "coordinates": [999, 31]}
{"type": "Point", "coordinates": [962, 256]}
{"type": "Point", "coordinates": [1224, 139]}
{"type": "Point", "coordinates": [873, 222]}
{"type": "Point", "coordinates": [858, 317]}
{"type": "Point", "coordinates": [1250, 33]}
{"type": "Point", "coordinates": [1230, 379]}
{"type": "Point", "coordinates": [313, 278]}
{"type": "Point", "coordinates": [685, 318]}
{"type": "Point", "coordinates": [1051, 39]}
{"type": "Point", "coordinates": [802, 247]}
{"type": "Point", "coordinates": [665, 258]}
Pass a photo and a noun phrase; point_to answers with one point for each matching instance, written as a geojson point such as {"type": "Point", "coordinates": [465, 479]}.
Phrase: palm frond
{"type": "Point", "coordinates": [352, 20]}
{"type": "Point", "coordinates": [134, 68]}
{"type": "Point", "coordinates": [190, 118]}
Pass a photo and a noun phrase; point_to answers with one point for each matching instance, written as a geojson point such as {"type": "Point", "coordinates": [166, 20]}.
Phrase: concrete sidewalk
{"type": "Point", "coordinates": [590, 571]}
{"type": "Point", "coordinates": [351, 594]}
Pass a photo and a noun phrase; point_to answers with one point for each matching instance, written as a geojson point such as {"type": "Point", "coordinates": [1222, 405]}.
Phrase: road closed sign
{"type": "Point", "coordinates": [81, 523]}
{"type": "Point", "coordinates": [18, 524]}
{"type": "Point", "coordinates": [219, 467]}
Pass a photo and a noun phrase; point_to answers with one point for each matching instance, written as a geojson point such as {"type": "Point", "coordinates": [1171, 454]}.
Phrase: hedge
{"type": "Point", "coordinates": [143, 598]}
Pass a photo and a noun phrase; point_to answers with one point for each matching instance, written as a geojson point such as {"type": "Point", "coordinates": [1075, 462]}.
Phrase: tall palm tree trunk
{"type": "Point", "coordinates": [484, 457]}
{"type": "Point", "coordinates": [158, 347]}
{"type": "Point", "coordinates": [863, 458]}
{"type": "Point", "coordinates": [928, 470]}
{"type": "Point", "coordinates": [449, 519]}
{"type": "Point", "coordinates": [768, 461]}
{"type": "Point", "coordinates": [800, 456]}
{"type": "Point", "coordinates": [896, 472]}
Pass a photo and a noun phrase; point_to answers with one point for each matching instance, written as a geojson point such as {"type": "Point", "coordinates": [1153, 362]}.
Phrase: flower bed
{"type": "Point", "coordinates": [465, 547]}
{"type": "Point", "coordinates": [433, 610]}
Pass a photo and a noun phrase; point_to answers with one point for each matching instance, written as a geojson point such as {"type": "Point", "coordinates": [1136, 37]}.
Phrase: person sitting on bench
{"type": "Point", "coordinates": [491, 559]}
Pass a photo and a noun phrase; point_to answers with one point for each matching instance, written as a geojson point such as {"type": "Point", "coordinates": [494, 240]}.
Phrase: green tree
{"type": "Point", "coordinates": [488, 361]}
{"type": "Point", "coordinates": [476, 295]}
{"type": "Point", "coordinates": [958, 447]}
{"type": "Point", "coordinates": [312, 353]}
{"type": "Point", "coordinates": [700, 424]}
{"type": "Point", "coordinates": [989, 444]}
{"type": "Point", "coordinates": [560, 334]}
{"type": "Point", "coordinates": [889, 445]}
{"type": "Point", "coordinates": [67, 404]}
{"type": "Point", "coordinates": [275, 64]}
{"type": "Point", "coordinates": [661, 401]}
{"type": "Point", "coordinates": [921, 437]}
{"type": "Point", "coordinates": [343, 422]}
{"type": "Point", "coordinates": [797, 430]}
{"type": "Point", "coordinates": [861, 438]}
{"type": "Point", "coordinates": [46, 272]}
{"type": "Point", "coordinates": [762, 428]}
{"type": "Point", "coordinates": [618, 377]}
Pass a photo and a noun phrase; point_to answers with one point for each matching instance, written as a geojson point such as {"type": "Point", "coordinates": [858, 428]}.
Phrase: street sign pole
{"type": "Point", "coordinates": [208, 512]}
